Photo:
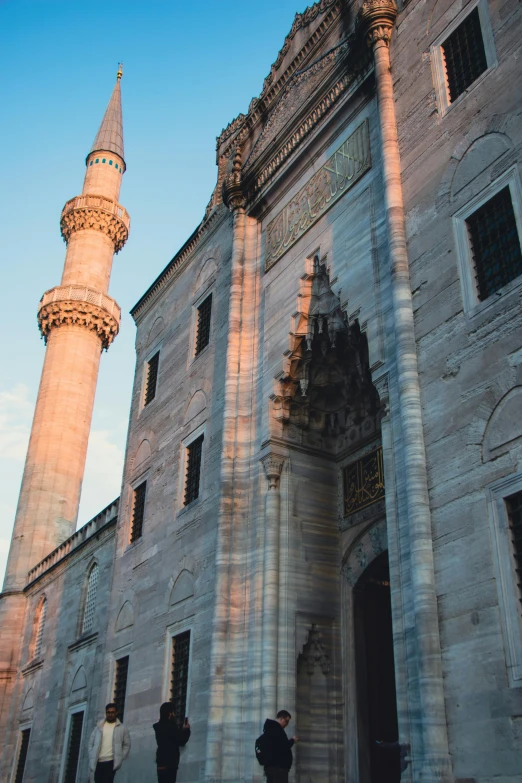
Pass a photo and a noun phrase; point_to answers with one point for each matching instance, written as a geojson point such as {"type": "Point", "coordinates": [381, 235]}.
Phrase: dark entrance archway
{"type": "Point", "coordinates": [375, 672]}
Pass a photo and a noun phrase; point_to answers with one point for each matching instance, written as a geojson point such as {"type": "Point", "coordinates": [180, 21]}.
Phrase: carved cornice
{"type": "Point", "coordinates": [233, 196]}
{"type": "Point", "coordinates": [99, 213]}
{"type": "Point", "coordinates": [79, 306]}
{"type": "Point", "coordinates": [376, 20]}
{"type": "Point", "coordinates": [272, 86]}
{"type": "Point", "coordinates": [273, 465]}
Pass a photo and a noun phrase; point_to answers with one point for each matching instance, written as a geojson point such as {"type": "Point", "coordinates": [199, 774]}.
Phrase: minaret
{"type": "Point", "coordinates": [77, 320]}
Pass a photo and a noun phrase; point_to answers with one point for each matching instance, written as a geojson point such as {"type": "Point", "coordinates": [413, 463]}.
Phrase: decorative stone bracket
{"type": "Point", "coordinates": [80, 306]}
{"type": "Point", "coordinates": [98, 213]}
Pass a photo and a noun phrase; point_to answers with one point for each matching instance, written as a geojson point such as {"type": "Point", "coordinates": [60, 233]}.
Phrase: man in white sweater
{"type": "Point", "coordinates": [109, 745]}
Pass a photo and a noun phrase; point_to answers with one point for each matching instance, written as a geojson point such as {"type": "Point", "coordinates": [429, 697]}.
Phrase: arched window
{"type": "Point", "coordinates": [41, 612]}
{"type": "Point", "coordinates": [90, 600]}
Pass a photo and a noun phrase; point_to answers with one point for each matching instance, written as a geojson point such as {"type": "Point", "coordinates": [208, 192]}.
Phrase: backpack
{"type": "Point", "coordinates": [261, 749]}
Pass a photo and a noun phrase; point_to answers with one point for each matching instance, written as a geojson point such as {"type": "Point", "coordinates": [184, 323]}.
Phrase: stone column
{"type": "Point", "coordinates": [273, 465]}
{"type": "Point", "coordinates": [377, 18]}
{"type": "Point", "coordinates": [217, 715]}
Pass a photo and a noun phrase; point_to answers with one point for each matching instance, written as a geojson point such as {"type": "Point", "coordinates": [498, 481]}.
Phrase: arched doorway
{"type": "Point", "coordinates": [375, 674]}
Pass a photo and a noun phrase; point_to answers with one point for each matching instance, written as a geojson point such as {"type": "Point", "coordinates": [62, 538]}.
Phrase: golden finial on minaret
{"type": "Point", "coordinates": [120, 71]}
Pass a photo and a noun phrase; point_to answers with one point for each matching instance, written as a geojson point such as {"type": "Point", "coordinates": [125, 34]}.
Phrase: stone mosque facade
{"type": "Point", "coordinates": [321, 505]}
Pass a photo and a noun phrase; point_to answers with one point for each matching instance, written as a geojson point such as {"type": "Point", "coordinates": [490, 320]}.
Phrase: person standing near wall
{"type": "Point", "coordinates": [274, 749]}
{"type": "Point", "coordinates": [109, 746]}
{"type": "Point", "coordinates": [170, 739]}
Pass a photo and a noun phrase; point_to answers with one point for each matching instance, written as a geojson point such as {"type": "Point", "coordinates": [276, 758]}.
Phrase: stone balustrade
{"type": "Point", "coordinates": [81, 293]}
{"type": "Point", "coordinates": [75, 541]}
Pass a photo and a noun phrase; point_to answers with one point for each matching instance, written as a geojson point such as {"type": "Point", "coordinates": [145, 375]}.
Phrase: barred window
{"type": "Point", "coordinates": [464, 55]}
{"type": "Point", "coordinates": [179, 674]}
{"type": "Point", "coordinates": [73, 747]}
{"type": "Point", "coordinates": [40, 625]}
{"type": "Point", "coordinates": [152, 378]}
{"type": "Point", "coordinates": [138, 511]}
{"type": "Point", "coordinates": [120, 684]}
{"type": "Point", "coordinates": [495, 244]}
{"type": "Point", "coordinates": [192, 476]}
{"type": "Point", "coordinates": [203, 324]}
{"type": "Point", "coordinates": [514, 512]}
{"type": "Point", "coordinates": [22, 755]}
{"type": "Point", "coordinates": [90, 600]}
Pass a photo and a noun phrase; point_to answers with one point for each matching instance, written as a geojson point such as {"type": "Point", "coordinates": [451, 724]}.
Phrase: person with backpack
{"type": "Point", "coordinates": [274, 749]}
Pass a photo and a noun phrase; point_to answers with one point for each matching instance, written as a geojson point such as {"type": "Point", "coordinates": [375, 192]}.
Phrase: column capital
{"type": "Point", "coordinates": [233, 196]}
{"type": "Point", "coordinates": [377, 19]}
{"type": "Point", "coordinates": [273, 465]}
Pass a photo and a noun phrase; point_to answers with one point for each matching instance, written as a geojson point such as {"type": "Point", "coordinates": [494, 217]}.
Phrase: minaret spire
{"type": "Point", "coordinates": [110, 135]}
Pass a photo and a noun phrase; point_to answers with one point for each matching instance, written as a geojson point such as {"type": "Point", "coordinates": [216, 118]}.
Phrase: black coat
{"type": "Point", "coordinates": [170, 739]}
{"type": "Point", "coordinates": [277, 747]}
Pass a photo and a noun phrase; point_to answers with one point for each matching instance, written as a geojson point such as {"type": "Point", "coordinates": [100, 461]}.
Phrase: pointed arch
{"type": "Point", "coordinates": [364, 550]}
{"type": "Point", "coordinates": [183, 588]}
{"type": "Point", "coordinates": [125, 617]}
{"type": "Point", "coordinates": [79, 680]}
{"type": "Point", "coordinates": [197, 404]}
{"type": "Point", "coordinates": [28, 702]}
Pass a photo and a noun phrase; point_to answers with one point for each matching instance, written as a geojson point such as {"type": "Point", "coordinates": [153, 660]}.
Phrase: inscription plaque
{"type": "Point", "coordinates": [334, 178]}
{"type": "Point", "coordinates": [363, 482]}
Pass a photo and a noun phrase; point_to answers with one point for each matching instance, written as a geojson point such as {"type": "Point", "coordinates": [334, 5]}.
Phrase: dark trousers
{"type": "Point", "coordinates": [276, 775]}
{"type": "Point", "coordinates": [104, 772]}
{"type": "Point", "coordinates": [167, 774]}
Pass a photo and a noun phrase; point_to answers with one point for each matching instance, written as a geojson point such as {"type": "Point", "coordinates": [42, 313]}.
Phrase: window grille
{"type": "Point", "coordinates": [464, 55]}
{"type": "Point", "coordinates": [90, 600]}
{"type": "Point", "coordinates": [194, 450]}
{"type": "Point", "coordinates": [203, 324]}
{"type": "Point", "coordinates": [138, 511]}
{"type": "Point", "coordinates": [152, 378]}
{"type": "Point", "coordinates": [73, 749]}
{"type": "Point", "coordinates": [179, 674]}
{"type": "Point", "coordinates": [42, 612]}
{"type": "Point", "coordinates": [514, 510]}
{"type": "Point", "coordinates": [120, 684]}
{"type": "Point", "coordinates": [22, 755]}
{"type": "Point", "coordinates": [495, 244]}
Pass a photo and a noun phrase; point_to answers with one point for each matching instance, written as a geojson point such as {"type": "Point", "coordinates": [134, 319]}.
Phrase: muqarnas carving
{"type": "Point", "coordinates": [326, 387]}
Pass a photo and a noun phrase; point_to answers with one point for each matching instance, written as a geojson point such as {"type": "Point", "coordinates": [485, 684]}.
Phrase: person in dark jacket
{"type": "Point", "coordinates": [170, 739]}
{"type": "Point", "coordinates": [277, 748]}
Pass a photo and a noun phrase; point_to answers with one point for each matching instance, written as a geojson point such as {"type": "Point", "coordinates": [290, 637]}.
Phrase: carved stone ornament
{"type": "Point", "coordinates": [314, 654]}
{"type": "Point", "coordinates": [373, 542]}
{"type": "Point", "coordinates": [233, 196]}
{"type": "Point", "coordinates": [79, 306]}
{"type": "Point", "coordinates": [335, 177]}
{"type": "Point", "coordinates": [98, 213]}
{"type": "Point", "coordinates": [273, 465]}
{"type": "Point", "coordinates": [326, 387]}
{"type": "Point", "coordinates": [376, 20]}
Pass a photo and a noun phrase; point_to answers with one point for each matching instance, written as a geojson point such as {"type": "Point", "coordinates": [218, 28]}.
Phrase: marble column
{"type": "Point", "coordinates": [431, 757]}
{"type": "Point", "coordinates": [273, 465]}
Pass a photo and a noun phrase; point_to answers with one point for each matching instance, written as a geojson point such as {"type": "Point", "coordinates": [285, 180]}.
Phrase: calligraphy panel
{"type": "Point", "coordinates": [363, 482]}
{"type": "Point", "coordinates": [340, 172]}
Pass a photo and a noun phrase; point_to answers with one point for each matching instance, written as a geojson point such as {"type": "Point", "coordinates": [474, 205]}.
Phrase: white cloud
{"type": "Point", "coordinates": [16, 412]}
{"type": "Point", "coordinates": [103, 472]}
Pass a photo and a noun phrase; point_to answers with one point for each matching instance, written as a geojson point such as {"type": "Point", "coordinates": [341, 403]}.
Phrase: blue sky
{"type": "Point", "coordinates": [189, 69]}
